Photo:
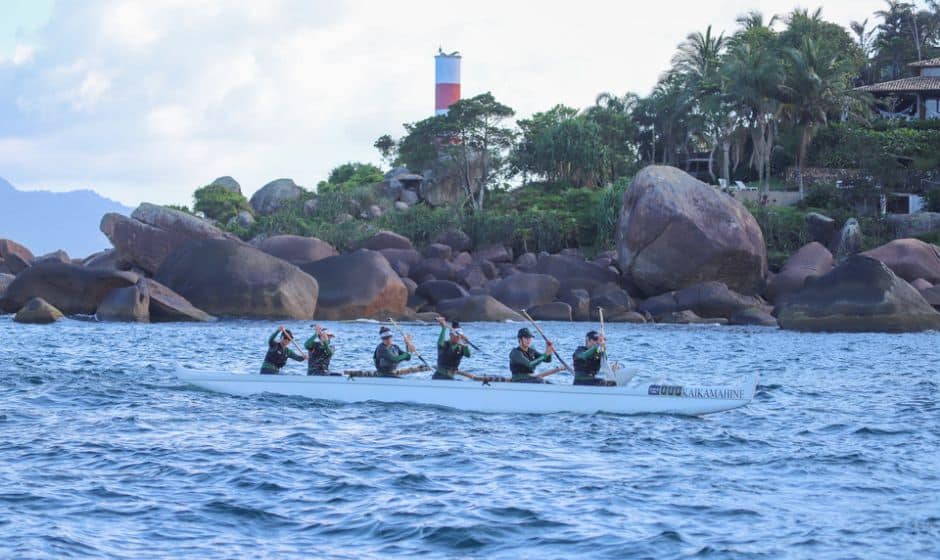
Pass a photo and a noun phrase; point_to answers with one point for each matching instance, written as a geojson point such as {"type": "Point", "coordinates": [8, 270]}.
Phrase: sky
{"type": "Point", "coordinates": [147, 100]}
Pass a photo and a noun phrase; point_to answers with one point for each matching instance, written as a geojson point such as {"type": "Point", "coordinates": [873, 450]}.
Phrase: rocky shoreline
{"type": "Point", "coordinates": [686, 253]}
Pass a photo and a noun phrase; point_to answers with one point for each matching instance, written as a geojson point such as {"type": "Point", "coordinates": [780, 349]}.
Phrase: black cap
{"type": "Point", "coordinates": [287, 334]}
{"type": "Point", "coordinates": [592, 335]}
{"type": "Point", "coordinates": [524, 333]}
{"type": "Point", "coordinates": [455, 324]}
{"type": "Point", "coordinates": [385, 332]}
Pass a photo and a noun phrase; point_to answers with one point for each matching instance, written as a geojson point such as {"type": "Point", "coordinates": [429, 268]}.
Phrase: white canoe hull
{"type": "Point", "coordinates": [496, 397]}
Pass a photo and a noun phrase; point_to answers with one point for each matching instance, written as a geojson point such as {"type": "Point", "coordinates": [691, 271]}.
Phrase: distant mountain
{"type": "Point", "coordinates": [46, 221]}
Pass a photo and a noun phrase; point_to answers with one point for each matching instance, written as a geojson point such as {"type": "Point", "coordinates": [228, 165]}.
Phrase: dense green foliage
{"type": "Point", "coordinates": [218, 203]}
{"type": "Point", "coordinates": [350, 176]}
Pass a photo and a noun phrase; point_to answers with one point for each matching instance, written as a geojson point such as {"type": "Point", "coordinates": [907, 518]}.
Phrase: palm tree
{"type": "Point", "coordinates": [817, 85]}
{"type": "Point", "coordinates": [752, 76]}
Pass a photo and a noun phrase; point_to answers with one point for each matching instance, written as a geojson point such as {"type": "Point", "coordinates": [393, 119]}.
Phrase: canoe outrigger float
{"type": "Point", "coordinates": [523, 398]}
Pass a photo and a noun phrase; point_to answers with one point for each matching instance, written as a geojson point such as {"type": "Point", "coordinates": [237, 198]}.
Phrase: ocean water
{"type": "Point", "coordinates": [103, 453]}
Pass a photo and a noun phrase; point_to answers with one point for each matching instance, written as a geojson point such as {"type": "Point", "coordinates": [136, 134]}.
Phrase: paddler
{"type": "Point", "coordinates": [279, 351]}
{"type": "Point", "coordinates": [524, 359]}
{"type": "Point", "coordinates": [450, 350]}
{"type": "Point", "coordinates": [387, 355]}
{"type": "Point", "coordinates": [321, 351]}
{"type": "Point", "coordinates": [587, 360]}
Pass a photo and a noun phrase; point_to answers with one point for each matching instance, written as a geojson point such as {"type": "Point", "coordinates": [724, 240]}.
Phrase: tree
{"type": "Point", "coordinates": [350, 175]}
{"type": "Point", "coordinates": [560, 145]}
{"type": "Point", "coordinates": [905, 35]}
{"type": "Point", "coordinates": [713, 118]}
{"type": "Point", "coordinates": [818, 84]}
{"type": "Point", "coordinates": [474, 134]}
{"type": "Point", "coordinates": [386, 146]}
{"type": "Point", "coordinates": [219, 203]}
{"type": "Point", "coordinates": [617, 132]}
{"type": "Point", "coordinates": [752, 74]}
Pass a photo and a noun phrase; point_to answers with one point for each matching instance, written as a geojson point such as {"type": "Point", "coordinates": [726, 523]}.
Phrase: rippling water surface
{"type": "Point", "coordinates": [104, 453]}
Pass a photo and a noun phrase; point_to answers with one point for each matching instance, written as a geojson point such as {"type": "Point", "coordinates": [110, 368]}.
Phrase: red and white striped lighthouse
{"type": "Point", "coordinates": [446, 81]}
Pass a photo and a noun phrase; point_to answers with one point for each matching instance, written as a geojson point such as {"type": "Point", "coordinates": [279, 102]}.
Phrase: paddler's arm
{"type": "Point", "coordinates": [517, 357]}
{"type": "Point", "coordinates": [401, 357]}
{"type": "Point", "coordinates": [273, 337]}
{"type": "Point", "coordinates": [442, 338]}
{"type": "Point", "coordinates": [295, 356]}
{"type": "Point", "coordinates": [589, 353]}
{"type": "Point", "coordinates": [310, 341]}
{"type": "Point", "coordinates": [466, 351]}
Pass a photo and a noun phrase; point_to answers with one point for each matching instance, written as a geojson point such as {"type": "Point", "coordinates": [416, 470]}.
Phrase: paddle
{"type": "Point", "coordinates": [609, 374]}
{"type": "Point", "coordinates": [407, 339]}
{"type": "Point", "coordinates": [294, 342]}
{"type": "Point", "coordinates": [545, 338]}
{"type": "Point", "coordinates": [368, 373]}
{"type": "Point", "coordinates": [443, 323]}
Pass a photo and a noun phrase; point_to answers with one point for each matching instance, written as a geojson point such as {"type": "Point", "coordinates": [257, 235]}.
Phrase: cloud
{"type": "Point", "coordinates": [146, 100]}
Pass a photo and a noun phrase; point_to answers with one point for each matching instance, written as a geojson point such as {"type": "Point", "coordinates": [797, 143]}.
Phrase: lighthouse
{"type": "Point", "coordinates": [446, 80]}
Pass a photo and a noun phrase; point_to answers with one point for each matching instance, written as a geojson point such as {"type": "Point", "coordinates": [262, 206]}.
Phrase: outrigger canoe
{"type": "Point", "coordinates": [494, 397]}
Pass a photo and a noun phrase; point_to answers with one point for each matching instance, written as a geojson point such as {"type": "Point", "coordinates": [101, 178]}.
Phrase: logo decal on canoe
{"type": "Point", "coordinates": [696, 392]}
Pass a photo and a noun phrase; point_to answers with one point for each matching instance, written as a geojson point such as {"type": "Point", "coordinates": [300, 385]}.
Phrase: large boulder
{"type": "Point", "coordinates": [820, 228]}
{"type": "Point", "coordinates": [9, 247]}
{"type": "Point", "coordinates": [437, 290]}
{"type": "Point", "coordinates": [811, 260]}
{"type": "Point", "coordinates": [5, 281]}
{"type": "Point", "coordinates": [440, 269]}
{"type": "Point", "coordinates": [15, 263]}
{"type": "Point", "coordinates": [358, 285]}
{"type": "Point", "coordinates": [494, 254]}
{"type": "Point", "coordinates": [753, 316]}
{"type": "Point", "coordinates": [524, 290]}
{"type": "Point", "coordinates": [714, 299]}
{"type": "Point", "coordinates": [55, 256]}
{"type": "Point", "coordinates": [152, 232]}
{"type": "Point", "coordinates": [401, 260]}
{"type": "Point", "coordinates": [457, 240]}
{"type": "Point", "coordinates": [227, 183]}
{"type": "Point", "coordinates": [860, 295]}
{"type": "Point", "coordinates": [385, 240]}
{"type": "Point", "coordinates": [37, 311]}
{"type": "Point", "coordinates": [932, 295]}
{"type": "Point", "coordinates": [688, 318]}
{"type": "Point", "coordinates": [476, 308]}
{"type": "Point", "coordinates": [676, 231]}
{"type": "Point", "coordinates": [228, 278]}
{"type": "Point", "coordinates": [848, 241]}
{"type": "Point", "coordinates": [554, 311]}
{"type": "Point", "coordinates": [910, 259]}
{"type": "Point", "coordinates": [663, 304]}
{"type": "Point", "coordinates": [73, 290]}
{"type": "Point", "coordinates": [574, 273]}
{"type": "Point", "coordinates": [108, 259]}
{"type": "Point", "coordinates": [296, 249]}
{"type": "Point", "coordinates": [273, 196]}
{"type": "Point", "coordinates": [437, 251]}
{"type": "Point", "coordinates": [612, 299]}
{"type": "Point", "coordinates": [579, 300]}
{"type": "Point", "coordinates": [129, 305]}
{"type": "Point", "coordinates": [168, 306]}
